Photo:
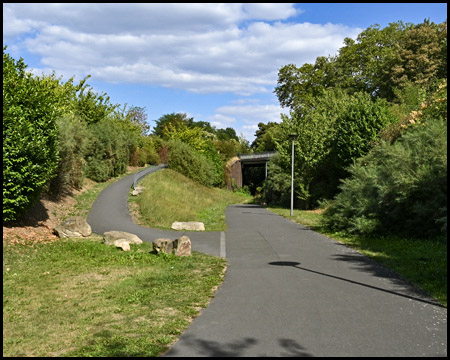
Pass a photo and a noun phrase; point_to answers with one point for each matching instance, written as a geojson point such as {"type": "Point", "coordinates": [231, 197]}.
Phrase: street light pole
{"type": "Point", "coordinates": [293, 137]}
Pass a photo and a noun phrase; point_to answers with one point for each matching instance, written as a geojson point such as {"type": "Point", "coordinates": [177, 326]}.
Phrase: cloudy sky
{"type": "Point", "coordinates": [215, 62]}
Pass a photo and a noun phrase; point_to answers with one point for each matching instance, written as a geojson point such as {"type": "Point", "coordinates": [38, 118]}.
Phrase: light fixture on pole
{"type": "Point", "coordinates": [293, 137]}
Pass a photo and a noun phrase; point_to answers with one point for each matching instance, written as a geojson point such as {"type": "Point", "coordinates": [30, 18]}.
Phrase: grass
{"type": "Point", "coordinates": [78, 297]}
{"type": "Point", "coordinates": [169, 196]}
{"type": "Point", "coordinates": [83, 298]}
{"type": "Point", "coordinates": [422, 262]}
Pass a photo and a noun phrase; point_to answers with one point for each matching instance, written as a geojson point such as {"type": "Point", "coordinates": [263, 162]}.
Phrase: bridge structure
{"type": "Point", "coordinates": [236, 166]}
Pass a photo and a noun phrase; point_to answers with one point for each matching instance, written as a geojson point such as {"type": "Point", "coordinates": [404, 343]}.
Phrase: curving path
{"type": "Point", "coordinates": [289, 291]}
{"type": "Point", "coordinates": [110, 212]}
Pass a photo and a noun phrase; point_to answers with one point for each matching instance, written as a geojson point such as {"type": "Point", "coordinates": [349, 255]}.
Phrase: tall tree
{"type": "Point", "coordinates": [175, 120]}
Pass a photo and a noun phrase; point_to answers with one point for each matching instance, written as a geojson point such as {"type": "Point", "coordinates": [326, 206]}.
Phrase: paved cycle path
{"type": "Point", "coordinates": [289, 291]}
{"type": "Point", "coordinates": [110, 212]}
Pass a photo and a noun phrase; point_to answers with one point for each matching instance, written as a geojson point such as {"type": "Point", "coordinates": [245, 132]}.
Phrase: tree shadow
{"type": "Point", "coordinates": [36, 214]}
{"type": "Point", "coordinates": [235, 348]}
{"type": "Point", "coordinates": [385, 272]}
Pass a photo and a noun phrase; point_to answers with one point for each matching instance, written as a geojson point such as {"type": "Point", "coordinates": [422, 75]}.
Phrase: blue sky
{"type": "Point", "coordinates": [214, 62]}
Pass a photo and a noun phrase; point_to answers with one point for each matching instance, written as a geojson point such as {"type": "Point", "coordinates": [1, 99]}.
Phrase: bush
{"type": "Point", "coordinates": [191, 163]}
{"type": "Point", "coordinates": [108, 153]}
{"type": "Point", "coordinates": [398, 189]}
{"type": "Point", "coordinates": [73, 141]}
{"type": "Point", "coordinates": [30, 137]}
{"type": "Point", "coordinates": [278, 184]}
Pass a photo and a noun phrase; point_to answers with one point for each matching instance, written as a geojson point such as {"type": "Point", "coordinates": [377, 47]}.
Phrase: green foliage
{"type": "Point", "coordinates": [340, 129]}
{"type": "Point", "coordinates": [30, 136]}
{"type": "Point", "coordinates": [174, 120]}
{"type": "Point", "coordinates": [378, 61]}
{"type": "Point", "coordinates": [147, 153]}
{"type": "Point", "coordinates": [398, 189]}
{"type": "Point", "coordinates": [108, 152]}
{"type": "Point", "coordinates": [419, 56]}
{"type": "Point", "coordinates": [191, 163]}
{"type": "Point", "coordinates": [278, 191]}
{"type": "Point", "coordinates": [358, 128]}
{"type": "Point", "coordinates": [90, 106]}
{"type": "Point", "coordinates": [200, 141]}
{"type": "Point", "coordinates": [73, 141]}
{"type": "Point", "coordinates": [266, 137]}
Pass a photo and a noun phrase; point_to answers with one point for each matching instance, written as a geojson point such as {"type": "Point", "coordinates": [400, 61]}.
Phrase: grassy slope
{"type": "Point", "coordinates": [170, 196]}
{"type": "Point", "coordinates": [81, 298]}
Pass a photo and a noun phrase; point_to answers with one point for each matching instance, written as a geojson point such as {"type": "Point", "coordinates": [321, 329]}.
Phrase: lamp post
{"type": "Point", "coordinates": [293, 137]}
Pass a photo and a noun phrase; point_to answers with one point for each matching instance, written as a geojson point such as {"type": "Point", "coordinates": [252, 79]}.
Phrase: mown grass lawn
{"type": "Point", "coordinates": [83, 298]}
{"type": "Point", "coordinates": [422, 262]}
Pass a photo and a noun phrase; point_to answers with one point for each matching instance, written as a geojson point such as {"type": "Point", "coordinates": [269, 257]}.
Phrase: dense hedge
{"type": "Point", "coordinates": [30, 137]}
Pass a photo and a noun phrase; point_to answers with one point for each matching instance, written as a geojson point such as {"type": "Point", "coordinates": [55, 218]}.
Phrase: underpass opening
{"type": "Point", "coordinates": [254, 169]}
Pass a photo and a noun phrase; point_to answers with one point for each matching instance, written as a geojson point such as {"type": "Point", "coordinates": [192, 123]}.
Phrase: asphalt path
{"type": "Point", "coordinates": [289, 291]}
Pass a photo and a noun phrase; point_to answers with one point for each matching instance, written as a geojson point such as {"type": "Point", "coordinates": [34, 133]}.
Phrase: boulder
{"type": "Point", "coordinates": [178, 247]}
{"type": "Point", "coordinates": [75, 226]}
{"type": "Point", "coordinates": [137, 190]}
{"type": "Point", "coordinates": [123, 244]}
{"type": "Point", "coordinates": [111, 236]}
{"type": "Point", "coordinates": [190, 225]}
{"type": "Point", "coordinates": [182, 246]}
{"type": "Point", "coordinates": [163, 245]}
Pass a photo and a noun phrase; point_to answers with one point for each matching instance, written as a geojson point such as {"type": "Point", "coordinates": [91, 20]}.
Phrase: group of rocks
{"type": "Point", "coordinates": [77, 226]}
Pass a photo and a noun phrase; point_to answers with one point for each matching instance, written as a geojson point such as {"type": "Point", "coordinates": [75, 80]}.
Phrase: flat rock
{"type": "Point", "coordinates": [190, 225]}
{"type": "Point", "coordinates": [75, 226]}
{"type": "Point", "coordinates": [111, 236]}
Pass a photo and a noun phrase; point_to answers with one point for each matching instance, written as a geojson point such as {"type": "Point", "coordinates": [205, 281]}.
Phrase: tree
{"type": "Point", "coordinates": [265, 137]}
{"type": "Point", "coordinates": [175, 120]}
{"type": "Point", "coordinates": [137, 115]}
{"type": "Point", "coordinates": [421, 55]}
{"type": "Point", "coordinates": [227, 134]}
{"type": "Point", "coordinates": [90, 106]}
{"type": "Point", "coordinates": [30, 136]}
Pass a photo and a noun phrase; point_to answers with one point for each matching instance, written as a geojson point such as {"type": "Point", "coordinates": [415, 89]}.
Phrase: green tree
{"type": "Point", "coordinates": [227, 134]}
{"type": "Point", "coordinates": [90, 106]}
{"type": "Point", "coordinates": [30, 136]}
{"type": "Point", "coordinates": [174, 120]}
{"type": "Point", "coordinates": [420, 55]}
{"type": "Point", "coordinates": [265, 137]}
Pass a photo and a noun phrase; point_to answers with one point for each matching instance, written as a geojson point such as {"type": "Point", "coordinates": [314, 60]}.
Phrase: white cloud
{"type": "Point", "coordinates": [249, 114]}
{"type": "Point", "coordinates": [200, 48]}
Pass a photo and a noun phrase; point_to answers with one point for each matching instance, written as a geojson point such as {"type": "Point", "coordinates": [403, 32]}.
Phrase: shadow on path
{"type": "Point", "coordinates": [295, 265]}
{"type": "Point", "coordinates": [237, 348]}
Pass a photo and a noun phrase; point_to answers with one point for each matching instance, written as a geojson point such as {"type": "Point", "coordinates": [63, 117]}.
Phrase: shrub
{"type": "Point", "coordinates": [30, 136]}
{"type": "Point", "coordinates": [73, 141]}
{"type": "Point", "coordinates": [191, 163]}
{"type": "Point", "coordinates": [397, 189]}
{"type": "Point", "coordinates": [108, 153]}
{"type": "Point", "coordinates": [278, 184]}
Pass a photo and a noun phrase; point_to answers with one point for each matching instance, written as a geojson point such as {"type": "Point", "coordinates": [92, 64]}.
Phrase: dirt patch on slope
{"type": "Point", "coordinates": [39, 222]}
